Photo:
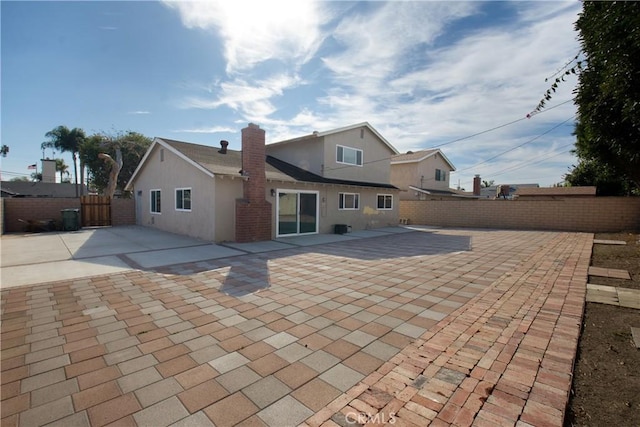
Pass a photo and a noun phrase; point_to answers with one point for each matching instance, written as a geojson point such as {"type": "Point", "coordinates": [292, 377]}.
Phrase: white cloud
{"type": "Point", "coordinates": [139, 112]}
{"type": "Point", "coordinates": [397, 66]}
{"type": "Point", "coordinates": [258, 31]}
{"type": "Point", "coordinates": [213, 129]}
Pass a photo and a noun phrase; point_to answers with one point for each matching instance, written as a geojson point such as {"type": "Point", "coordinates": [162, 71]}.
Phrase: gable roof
{"type": "Point", "coordinates": [418, 156]}
{"type": "Point", "coordinates": [211, 162]}
{"type": "Point", "coordinates": [338, 130]}
{"type": "Point", "coordinates": [451, 193]}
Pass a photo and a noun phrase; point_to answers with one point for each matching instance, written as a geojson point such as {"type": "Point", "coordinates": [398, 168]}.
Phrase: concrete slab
{"type": "Point", "coordinates": [635, 334]}
{"type": "Point", "coordinates": [609, 272]}
{"type": "Point", "coordinates": [32, 248]}
{"type": "Point", "coordinates": [609, 242]}
{"type": "Point", "coordinates": [150, 259]}
{"type": "Point", "coordinates": [367, 233]}
{"type": "Point", "coordinates": [395, 230]}
{"type": "Point", "coordinates": [313, 239]}
{"type": "Point", "coordinates": [258, 247]}
{"type": "Point", "coordinates": [20, 275]}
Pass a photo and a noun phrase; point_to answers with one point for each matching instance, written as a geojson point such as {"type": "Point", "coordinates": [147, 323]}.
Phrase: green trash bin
{"type": "Point", "coordinates": [70, 219]}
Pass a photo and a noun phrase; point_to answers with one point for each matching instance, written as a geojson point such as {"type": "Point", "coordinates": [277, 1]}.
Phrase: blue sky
{"type": "Point", "coordinates": [423, 73]}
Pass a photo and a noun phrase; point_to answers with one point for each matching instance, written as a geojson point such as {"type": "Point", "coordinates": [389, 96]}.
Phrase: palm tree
{"type": "Point", "coordinates": [62, 167]}
{"type": "Point", "coordinates": [65, 140]}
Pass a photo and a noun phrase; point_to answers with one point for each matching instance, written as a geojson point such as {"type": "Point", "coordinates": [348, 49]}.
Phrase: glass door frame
{"type": "Point", "coordinates": [297, 193]}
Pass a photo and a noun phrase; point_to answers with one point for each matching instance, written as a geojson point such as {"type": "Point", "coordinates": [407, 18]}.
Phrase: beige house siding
{"type": "Point", "coordinates": [305, 154]}
{"type": "Point", "coordinates": [227, 191]}
{"type": "Point", "coordinates": [375, 157]}
{"type": "Point", "coordinates": [365, 218]}
{"type": "Point", "coordinates": [168, 174]}
{"type": "Point", "coordinates": [420, 174]}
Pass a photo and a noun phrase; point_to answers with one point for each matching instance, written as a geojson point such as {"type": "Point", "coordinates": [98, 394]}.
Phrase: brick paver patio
{"type": "Point", "coordinates": [444, 327]}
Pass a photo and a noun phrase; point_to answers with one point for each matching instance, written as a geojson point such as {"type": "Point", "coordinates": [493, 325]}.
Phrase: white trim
{"type": "Point", "coordinates": [151, 191]}
{"type": "Point", "coordinates": [350, 148]}
{"type": "Point", "coordinates": [338, 130]}
{"type": "Point", "coordinates": [175, 198]}
{"type": "Point", "coordinates": [384, 202]}
{"type": "Point", "coordinates": [162, 143]}
{"type": "Point", "coordinates": [297, 192]}
{"type": "Point", "coordinates": [341, 199]}
{"type": "Point", "coordinates": [426, 156]}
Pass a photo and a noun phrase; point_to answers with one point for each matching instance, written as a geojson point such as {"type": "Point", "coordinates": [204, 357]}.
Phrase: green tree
{"type": "Point", "coordinates": [65, 140]}
{"type": "Point", "coordinates": [487, 184]}
{"type": "Point", "coordinates": [608, 97]}
{"type": "Point", "coordinates": [62, 168]}
{"type": "Point", "coordinates": [132, 145]}
{"type": "Point", "coordinates": [4, 150]}
{"type": "Point", "coordinates": [20, 179]}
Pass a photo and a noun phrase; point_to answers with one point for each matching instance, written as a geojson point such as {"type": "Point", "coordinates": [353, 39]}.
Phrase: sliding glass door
{"type": "Point", "coordinates": [297, 212]}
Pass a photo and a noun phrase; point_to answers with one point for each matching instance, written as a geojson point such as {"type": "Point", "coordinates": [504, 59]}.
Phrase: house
{"type": "Point", "coordinates": [305, 185]}
{"type": "Point", "coordinates": [422, 175]}
{"type": "Point", "coordinates": [549, 193]}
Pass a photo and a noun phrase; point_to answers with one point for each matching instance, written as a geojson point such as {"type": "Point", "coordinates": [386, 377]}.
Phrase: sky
{"type": "Point", "coordinates": [459, 76]}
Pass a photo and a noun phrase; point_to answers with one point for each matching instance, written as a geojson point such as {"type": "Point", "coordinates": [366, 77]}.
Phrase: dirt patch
{"type": "Point", "coordinates": [606, 382]}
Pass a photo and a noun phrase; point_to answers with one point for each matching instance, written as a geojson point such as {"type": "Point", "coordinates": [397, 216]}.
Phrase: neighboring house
{"type": "Point", "coordinates": [422, 175]}
{"type": "Point", "coordinates": [533, 193]}
{"type": "Point", "coordinates": [39, 189]}
{"type": "Point", "coordinates": [305, 185]}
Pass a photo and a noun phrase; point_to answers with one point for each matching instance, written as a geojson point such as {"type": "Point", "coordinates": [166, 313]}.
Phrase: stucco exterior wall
{"type": "Point", "coordinates": [305, 154]}
{"type": "Point", "coordinates": [168, 172]}
{"type": "Point", "coordinates": [419, 174]}
{"type": "Point", "coordinates": [227, 191]}
{"type": "Point", "coordinates": [365, 218]}
{"type": "Point", "coordinates": [375, 157]}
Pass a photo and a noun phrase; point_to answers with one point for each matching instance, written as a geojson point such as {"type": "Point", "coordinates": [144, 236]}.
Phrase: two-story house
{"type": "Point", "coordinates": [422, 175]}
{"type": "Point", "coordinates": [300, 186]}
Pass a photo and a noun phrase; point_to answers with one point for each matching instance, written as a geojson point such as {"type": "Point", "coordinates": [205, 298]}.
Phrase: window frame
{"type": "Point", "coordinates": [341, 201]}
{"type": "Point", "coordinates": [356, 150]}
{"type": "Point", "coordinates": [385, 197]}
{"type": "Point", "coordinates": [441, 175]}
{"type": "Point", "coordinates": [183, 189]}
{"type": "Point", "coordinates": [157, 203]}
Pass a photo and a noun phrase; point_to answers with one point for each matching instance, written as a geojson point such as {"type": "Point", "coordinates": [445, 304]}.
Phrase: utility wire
{"type": "Point", "coordinates": [518, 146]}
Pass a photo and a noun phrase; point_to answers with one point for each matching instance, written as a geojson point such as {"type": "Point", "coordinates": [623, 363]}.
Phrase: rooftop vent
{"type": "Point", "coordinates": [224, 144]}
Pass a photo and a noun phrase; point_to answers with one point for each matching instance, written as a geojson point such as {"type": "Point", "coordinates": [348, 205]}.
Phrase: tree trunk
{"type": "Point", "coordinates": [75, 171]}
{"type": "Point", "coordinates": [116, 165]}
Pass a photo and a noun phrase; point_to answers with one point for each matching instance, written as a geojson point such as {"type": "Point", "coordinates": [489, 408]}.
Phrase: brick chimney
{"type": "Point", "coordinates": [253, 211]}
{"type": "Point", "coordinates": [476, 185]}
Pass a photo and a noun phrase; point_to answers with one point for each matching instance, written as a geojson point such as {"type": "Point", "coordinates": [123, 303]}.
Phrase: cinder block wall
{"type": "Point", "coordinates": [34, 208]}
{"type": "Point", "coordinates": [123, 212]}
{"type": "Point", "coordinates": [586, 214]}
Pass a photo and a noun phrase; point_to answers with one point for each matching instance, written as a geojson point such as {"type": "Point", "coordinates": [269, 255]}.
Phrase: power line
{"type": "Point", "coordinates": [500, 126]}
{"type": "Point", "coordinates": [518, 146]}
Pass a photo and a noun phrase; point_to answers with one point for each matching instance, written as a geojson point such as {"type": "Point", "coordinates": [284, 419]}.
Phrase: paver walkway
{"type": "Point", "coordinates": [453, 326]}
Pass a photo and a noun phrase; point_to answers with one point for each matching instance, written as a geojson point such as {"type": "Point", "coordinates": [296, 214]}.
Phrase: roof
{"type": "Point", "coordinates": [418, 156]}
{"type": "Point", "coordinates": [303, 175]}
{"type": "Point", "coordinates": [211, 162]}
{"type": "Point", "coordinates": [338, 130]}
{"type": "Point", "coordinates": [38, 189]}
{"type": "Point", "coordinates": [557, 191]}
{"type": "Point", "coordinates": [452, 193]}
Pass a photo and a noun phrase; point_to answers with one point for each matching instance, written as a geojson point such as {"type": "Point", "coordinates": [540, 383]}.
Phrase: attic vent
{"type": "Point", "coordinates": [361, 133]}
{"type": "Point", "coordinates": [409, 152]}
{"type": "Point", "coordinates": [162, 154]}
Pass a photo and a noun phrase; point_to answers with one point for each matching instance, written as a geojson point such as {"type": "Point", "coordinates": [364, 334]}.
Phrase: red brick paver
{"type": "Point", "coordinates": [448, 327]}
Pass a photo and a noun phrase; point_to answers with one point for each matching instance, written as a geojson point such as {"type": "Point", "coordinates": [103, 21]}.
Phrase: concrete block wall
{"type": "Point", "coordinates": [37, 208]}
{"type": "Point", "coordinates": [123, 212]}
{"type": "Point", "coordinates": [588, 214]}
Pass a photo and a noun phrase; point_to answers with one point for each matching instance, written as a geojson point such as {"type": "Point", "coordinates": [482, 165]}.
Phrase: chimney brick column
{"type": "Point", "coordinates": [476, 185]}
{"type": "Point", "coordinates": [253, 211]}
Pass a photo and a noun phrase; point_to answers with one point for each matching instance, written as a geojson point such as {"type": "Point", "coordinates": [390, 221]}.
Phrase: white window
{"type": "Point", "coordinates": [349, 201]}
{"type": "Point", "coordinates": [385, 201]}
{"type": "Point", "coordinates": [183, 199]}
{"type": "Point", "coordinates": [156, 206]}
{"type": "Point", "coordinates": [441, 175]}
{"type": "Point", "coordinates": [348, 155]}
